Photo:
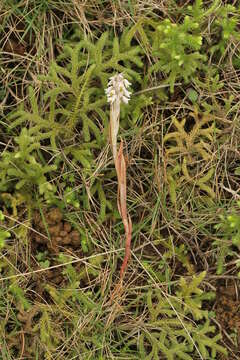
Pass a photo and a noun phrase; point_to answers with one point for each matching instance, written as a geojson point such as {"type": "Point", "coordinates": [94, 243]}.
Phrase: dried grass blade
{"type": "Point", "coordinates": [120, 165]}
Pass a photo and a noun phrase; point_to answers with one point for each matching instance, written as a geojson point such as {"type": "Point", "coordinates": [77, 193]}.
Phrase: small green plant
{"type": "Point", "coordinates": [228, 233]}
{"type": "Point", "coordinates": [212, 82]}
{"type": "Point", "coordinates": [19, 296]}
{"type": "Point", "coordinates": [22, 169]}
{"type": "Point", "coordinates": [163, 269]}
{"type": "Point", "coordinates": [4, 235]}
{"type": "Point", "coordinates": [226, 22]}
{"type": "Point", "coordinates": [171, 333]}
{"type": "Point", "coordinates": [69, 193]}
{"type": "Point", "coordinates": [74, 277]}
{"type": "Point", "coordinates": [177, 49]}
{"type": "Point", "coordinates": [186, 147]}
{"type": "Point", "coordinates": [199, 12]}
{"type": "Point", "coordinates": [180, 252]}
{"type": "Point", "coordinates": [42, 259]}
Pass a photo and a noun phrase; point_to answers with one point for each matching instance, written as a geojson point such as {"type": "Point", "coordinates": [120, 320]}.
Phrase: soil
{"type": "Point", "coordinates": [54, 234]}
{"type": "Point", "coordinates": [227, 310]}
{"type": "Point", "coordinates": [51, 236]}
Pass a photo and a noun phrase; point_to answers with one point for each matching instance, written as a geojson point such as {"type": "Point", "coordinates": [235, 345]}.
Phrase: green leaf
{"type": "Point", "coordinates": [193, 95]}
{"type": "Point", "coordinates": [237, 171]}
{"type": "Point", "coordinates": [2, 217]}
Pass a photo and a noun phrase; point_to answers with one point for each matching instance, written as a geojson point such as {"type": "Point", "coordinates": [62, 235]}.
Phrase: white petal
{"type": "Point", "coordinates": [126, 82]}
{"type": "Point", "coordinates": [125, 99]}
{"type": "Point", "coordinates": [126, 93]}
{"type": "Point", "coordinates": [110, 90]}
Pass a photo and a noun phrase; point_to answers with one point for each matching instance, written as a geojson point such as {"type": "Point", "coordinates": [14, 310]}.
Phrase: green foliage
{"type": "Point", "coordinates": [71, 292]}
{"type": "Point", "coordinates": [186, 147]}
{"type": "Point", "coordinates": [210, 83]}
{"type": "Point", "coordinates": [176, 48]}
{"type": "Point", "coordinates": [170, 331]}
{"type": "Point", "coordinates": [78, 302]}
{"type": "Point", "coordinates": [69, 193]}
{"type": "Point", "coordinates": [74, 102]}
{"type": "Point", "coordinates": [78, 79]}
{"type": "Point", "coordinates": [163, 271]}
{"type": "Point", "coordinates": [42, 259]}
{"type": "Point", "coordinates": [22, 168]}
{"type": "Point", "coordinates": [83, 90]}
{"type": "Point", "coordinates": [55, 151]}
{"type": "Point", "coordinates": [98, 192]}
{"type": "Point", "coordinates": [199, 12]}
{"type": "Point", "coordinates": [19, 295]}
{"type": "Point", "coordinates": [193, 95]}
{"type": "Point", "coordinates": [228, 232]}
{"type": "Point", "coordinates": [48, 334]}
{"type": "Point", "coordinates": [2, 217]}
{"type": "Point", "coordinates": [180, 252]}
{"type": "Point", "coordinates": [135, 109]}
{"type": "Point", "coordinates": [41, 122]}
{"type": "Point", "coordinates": [226, 23]}
{"type": "Point", "coordinates": [3, 233]}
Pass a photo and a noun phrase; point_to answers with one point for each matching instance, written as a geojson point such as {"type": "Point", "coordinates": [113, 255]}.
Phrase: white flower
{"type": "Point", "coordinates": [117, 93]}
{"type": "Point", "coordinates": [117, 89]}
